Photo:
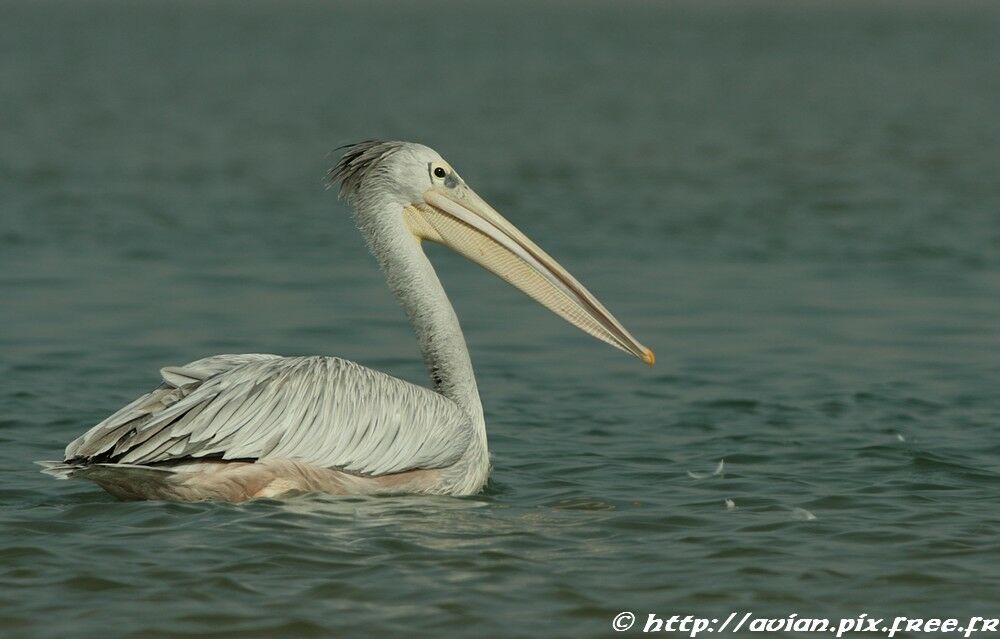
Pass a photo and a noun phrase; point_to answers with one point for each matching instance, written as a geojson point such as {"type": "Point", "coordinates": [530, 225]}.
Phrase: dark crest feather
{"type": "Point", "coordinates": [359, 161]}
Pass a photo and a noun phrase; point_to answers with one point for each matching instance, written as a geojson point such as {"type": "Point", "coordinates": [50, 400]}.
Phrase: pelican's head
{"type": "Point", "coordinates": [436, 204]}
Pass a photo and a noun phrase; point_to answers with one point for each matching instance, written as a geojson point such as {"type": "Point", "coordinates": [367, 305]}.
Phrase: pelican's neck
{"type": "Point", "coordinates": [415, 283]}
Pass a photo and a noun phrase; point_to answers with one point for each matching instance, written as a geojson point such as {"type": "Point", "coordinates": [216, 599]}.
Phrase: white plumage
{"type": "Point", "coordinates": [323, 411]}
{"type": "Point", "coordinates": [236, 427]}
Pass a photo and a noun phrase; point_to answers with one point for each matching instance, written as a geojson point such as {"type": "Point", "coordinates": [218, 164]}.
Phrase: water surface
{"type": "Point", "coordinates": [795, 206]}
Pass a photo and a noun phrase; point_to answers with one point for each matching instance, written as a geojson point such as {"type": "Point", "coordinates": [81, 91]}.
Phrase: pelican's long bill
{"type": "Point", "coordinates": [454, 215]}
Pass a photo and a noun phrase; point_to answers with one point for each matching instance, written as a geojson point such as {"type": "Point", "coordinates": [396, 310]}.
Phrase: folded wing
{"type": "Point", "coordinates": [319, 410]}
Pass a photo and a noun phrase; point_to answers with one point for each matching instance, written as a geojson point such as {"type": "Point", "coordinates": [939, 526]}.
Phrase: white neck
{"type": "Point", "coordinates": [412, 278]}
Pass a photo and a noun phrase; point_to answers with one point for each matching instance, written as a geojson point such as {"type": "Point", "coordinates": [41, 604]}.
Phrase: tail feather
{"type": "Point", "coordinates": [57, 469]}
{"type": "Point", "coordinates": [125, 481]}
{"type": "Point", "coordinates": [232, 481]}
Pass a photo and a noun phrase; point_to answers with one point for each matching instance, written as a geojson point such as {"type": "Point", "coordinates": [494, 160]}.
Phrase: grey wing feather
{"type": "Point", "coordinates": [319, 410]}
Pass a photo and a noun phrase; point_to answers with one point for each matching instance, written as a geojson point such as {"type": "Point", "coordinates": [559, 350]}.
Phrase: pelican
{"type": "Point", "coordinates": [239, 427]}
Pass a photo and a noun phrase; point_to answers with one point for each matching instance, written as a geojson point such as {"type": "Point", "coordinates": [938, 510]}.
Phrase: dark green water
{"type": "Point", "coordinates": [796, 205]}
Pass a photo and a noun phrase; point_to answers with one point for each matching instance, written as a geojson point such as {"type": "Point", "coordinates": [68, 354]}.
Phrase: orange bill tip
{"type": "Point", "coordinates": [650, 358]}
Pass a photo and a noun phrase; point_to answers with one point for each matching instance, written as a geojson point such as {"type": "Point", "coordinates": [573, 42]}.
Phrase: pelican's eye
{"type": "Point", "coordinates": [442, 174]}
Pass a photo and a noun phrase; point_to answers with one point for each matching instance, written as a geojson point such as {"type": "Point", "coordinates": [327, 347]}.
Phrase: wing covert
{"type": "Point", "coordinates": [320, 410]}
